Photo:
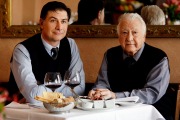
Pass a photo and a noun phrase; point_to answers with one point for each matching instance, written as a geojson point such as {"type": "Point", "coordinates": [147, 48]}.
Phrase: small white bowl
{"type": "Point", "coordinates": [52, 108]}
{"type": "Point", "coordinates": [86, 104]}
{"type": "Point", "coordinates": [84, 100]}
{"type": "Point", "coordinates": [109, 103]}
{"type": "Point", "coordinates": [98, 103]}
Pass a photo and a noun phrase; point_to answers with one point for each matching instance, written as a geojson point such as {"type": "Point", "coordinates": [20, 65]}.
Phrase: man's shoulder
{"type": "Point", "coordinates": [32, 42]}
{"type": "Point", "coordinates": [70, 39]}
{"type": "Point", "coordinates": [32, 39]}
{"type": "Point", "coordinates": [154, 50]}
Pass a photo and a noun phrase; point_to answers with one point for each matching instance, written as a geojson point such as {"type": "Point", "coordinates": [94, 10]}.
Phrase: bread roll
{"type": "Point", "coordinates": [52, 95]}
{"type": "Point", "coordinates": [43, 99]}
{"type": "Point", "coordinates": [55, 99]}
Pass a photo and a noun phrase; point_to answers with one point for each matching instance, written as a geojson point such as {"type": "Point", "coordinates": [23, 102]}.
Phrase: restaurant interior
{"type": "Point", "coordinates": [95, 40]}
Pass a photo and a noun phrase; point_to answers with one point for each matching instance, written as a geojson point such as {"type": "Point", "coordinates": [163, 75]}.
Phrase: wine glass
{"type": "Point", "coordinates": [72, 79]}
{"type": "Point", "coordinates": [53, 80]}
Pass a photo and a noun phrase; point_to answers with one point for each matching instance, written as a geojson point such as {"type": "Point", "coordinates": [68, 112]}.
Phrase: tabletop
{"type": "Point", "coordinates": [134, 112]}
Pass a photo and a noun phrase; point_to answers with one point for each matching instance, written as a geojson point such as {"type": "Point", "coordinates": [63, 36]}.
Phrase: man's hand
{"type": "Point", "coordinates": [99, 94]}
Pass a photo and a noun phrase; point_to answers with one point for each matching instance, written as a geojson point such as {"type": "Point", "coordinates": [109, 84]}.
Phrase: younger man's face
{"type": "Point", "coordinates": [55, 26]}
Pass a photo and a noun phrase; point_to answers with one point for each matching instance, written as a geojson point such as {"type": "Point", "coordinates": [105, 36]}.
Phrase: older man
{"type": "Point", "coordinates": [134, 68]}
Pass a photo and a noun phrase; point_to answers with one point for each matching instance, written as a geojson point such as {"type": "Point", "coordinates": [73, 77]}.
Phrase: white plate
{"type": "Point", "coordinates": [127, 103]}
{"type": "Point", "coordinates": [128, 99]}
{"type": "Point", "coordinates": [92, 109]}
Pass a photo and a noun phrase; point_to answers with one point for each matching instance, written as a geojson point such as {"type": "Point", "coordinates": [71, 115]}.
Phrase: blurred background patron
{"type": "Point", "coordinates": [90, 12]}
{"type": "Point", "coordinates": [153, 15]}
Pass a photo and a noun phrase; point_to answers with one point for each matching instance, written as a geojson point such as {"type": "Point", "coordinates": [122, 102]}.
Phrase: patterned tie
{"type": "Point", "coordinates": [54, 51]}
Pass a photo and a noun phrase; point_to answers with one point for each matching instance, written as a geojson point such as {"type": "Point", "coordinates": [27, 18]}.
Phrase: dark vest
{"type": "Point", "coordinates": [122, 78]}
{"type": "Point", "coordinates": [42, 62]}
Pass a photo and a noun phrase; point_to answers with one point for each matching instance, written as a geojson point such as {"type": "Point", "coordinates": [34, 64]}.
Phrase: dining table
{"type": "Point", "coordinates": [119, 112]}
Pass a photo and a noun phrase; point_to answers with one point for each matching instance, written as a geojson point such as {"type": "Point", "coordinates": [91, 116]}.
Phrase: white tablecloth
{"type": "Point", "coordinates": [136, 112]}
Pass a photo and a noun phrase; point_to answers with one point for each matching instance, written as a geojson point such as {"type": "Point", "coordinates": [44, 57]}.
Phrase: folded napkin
{"type": "Point", "coordinates": [134, 99]}
{"type": "Point", "coordinates": [17, 105]}
{"type": "Point", "coordinates": [36, 105]}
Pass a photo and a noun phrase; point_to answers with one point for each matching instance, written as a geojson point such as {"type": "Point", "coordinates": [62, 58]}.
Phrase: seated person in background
{"type": "Point", "coordinates": [160, 2]}
{"type": "Point", "coordinates": [148, 2]}
{"type": "Point", "coordinates": [153, 15]}
{"type": "Point", "coordinates": [33, 58]}
{"type": "Point", "coordinates": [90, 12]}
{"type": "Point", "coordinates": [134, 68]}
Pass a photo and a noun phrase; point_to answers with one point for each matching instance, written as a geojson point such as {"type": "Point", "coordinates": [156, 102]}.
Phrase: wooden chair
{"type": "Point", "coordinates": [177, 103]}
{"type": "Point", "coordinates": [174, 95]}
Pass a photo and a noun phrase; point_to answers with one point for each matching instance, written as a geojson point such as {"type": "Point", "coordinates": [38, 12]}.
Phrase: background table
{"type": "Point", "coordinates": [136, 112]}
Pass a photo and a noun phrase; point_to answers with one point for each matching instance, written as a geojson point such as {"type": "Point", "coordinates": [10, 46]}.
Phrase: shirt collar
{"type": "Point", "coordinates": [47, 46]}
{"type": "Point", "coordinates": [137, 55]}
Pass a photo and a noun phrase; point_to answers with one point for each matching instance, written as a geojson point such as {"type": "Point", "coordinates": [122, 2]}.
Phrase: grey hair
{"type": "Point", "coordinates": [153, 15]}
{"type": "Point", "coordinates": [131, 16]}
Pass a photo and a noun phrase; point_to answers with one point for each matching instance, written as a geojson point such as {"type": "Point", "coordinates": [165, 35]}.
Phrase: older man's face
{"type": "Point", "coordinates": [131, 36]}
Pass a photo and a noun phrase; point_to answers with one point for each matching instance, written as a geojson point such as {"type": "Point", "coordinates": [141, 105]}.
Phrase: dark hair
{"type": "Point", "coordinates": [88, 10]}
{"type": "Point", "coordinates": [53, 6]}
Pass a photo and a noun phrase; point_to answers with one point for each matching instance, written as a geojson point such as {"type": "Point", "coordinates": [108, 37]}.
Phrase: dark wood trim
{"type": "Point", "coordinates": [99, 31]}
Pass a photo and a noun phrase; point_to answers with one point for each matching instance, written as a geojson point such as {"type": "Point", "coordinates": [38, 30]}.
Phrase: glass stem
{"type": "Point", "coordinates": [77, 96]}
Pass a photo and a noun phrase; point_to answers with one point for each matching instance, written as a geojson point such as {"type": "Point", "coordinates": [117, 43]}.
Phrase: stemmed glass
{"type": "Point", "coordinates": [53, 80]}
{"type": "Point", "coordinates": [72, 79]}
